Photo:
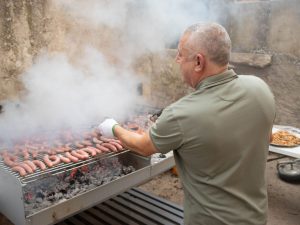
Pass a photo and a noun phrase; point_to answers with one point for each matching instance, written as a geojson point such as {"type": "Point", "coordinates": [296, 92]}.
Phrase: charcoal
{"type": "Point", "coordinates": [51, 190]}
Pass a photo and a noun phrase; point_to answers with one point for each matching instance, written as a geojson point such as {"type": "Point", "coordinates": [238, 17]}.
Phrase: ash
{"type": "Point", "coordinates": [52, 190]}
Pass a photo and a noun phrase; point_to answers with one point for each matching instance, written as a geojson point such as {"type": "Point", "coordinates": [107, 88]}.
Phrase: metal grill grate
{"type": "Point", "coordinates": [134, 207]}
{"type": "Point", "coordinates": [60, 168]}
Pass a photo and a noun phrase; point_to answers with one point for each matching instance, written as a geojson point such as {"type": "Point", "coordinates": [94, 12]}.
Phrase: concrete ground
{"type": "Point", "coordinates": [284, 198]}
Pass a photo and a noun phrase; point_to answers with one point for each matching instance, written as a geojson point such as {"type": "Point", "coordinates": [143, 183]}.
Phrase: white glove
{"type": "Point", "coordinates": [106, 128]}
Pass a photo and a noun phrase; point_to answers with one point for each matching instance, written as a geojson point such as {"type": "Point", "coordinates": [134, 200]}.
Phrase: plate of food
{"type": "Point", "coordinates": [283, 138]}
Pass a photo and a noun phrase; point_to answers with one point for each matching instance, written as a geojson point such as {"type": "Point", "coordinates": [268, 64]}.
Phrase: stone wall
{"type": "Point", "coordinates": [270, 26]}
{"type": "Point", "coordinates": [29, 27]}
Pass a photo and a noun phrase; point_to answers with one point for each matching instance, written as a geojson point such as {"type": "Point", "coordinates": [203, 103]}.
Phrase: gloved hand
{"type": "Point", "coordinates": [106, 128]}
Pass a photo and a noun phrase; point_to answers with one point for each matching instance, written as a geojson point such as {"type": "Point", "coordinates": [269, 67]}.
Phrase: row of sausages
{"type": "Point", "coordinates": [65, 155]}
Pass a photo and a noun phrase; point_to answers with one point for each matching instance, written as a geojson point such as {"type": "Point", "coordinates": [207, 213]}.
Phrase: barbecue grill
{"type": "Point", "coordinates": [51, 195]}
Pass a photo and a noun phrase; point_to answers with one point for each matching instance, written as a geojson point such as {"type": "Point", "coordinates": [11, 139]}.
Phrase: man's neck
{"type": "Point", "coordinates": [212, 71]}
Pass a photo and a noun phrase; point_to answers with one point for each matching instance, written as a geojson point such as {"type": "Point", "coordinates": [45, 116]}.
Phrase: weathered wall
{"type": "Point", "coordinates": [27, 27]}
{"type": "Point", "coordinates": [271, 26]}
{"type": "Point", "coordinates": [166, 84]}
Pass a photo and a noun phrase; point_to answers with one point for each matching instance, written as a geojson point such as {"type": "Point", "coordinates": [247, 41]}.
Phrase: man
{"type": "Point", "coordinates": [219, 133]}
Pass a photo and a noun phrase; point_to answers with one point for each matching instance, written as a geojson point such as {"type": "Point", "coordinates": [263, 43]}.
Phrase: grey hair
{"type": "Point", "coordinates": [212, 39]}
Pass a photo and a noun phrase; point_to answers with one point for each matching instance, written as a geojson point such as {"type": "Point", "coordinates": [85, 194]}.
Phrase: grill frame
{"type": "Point", "coordinates": [12, 203]}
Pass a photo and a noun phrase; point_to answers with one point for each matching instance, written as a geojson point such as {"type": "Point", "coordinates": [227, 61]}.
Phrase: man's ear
{"type": "Point", "coordinates": [200, 62]}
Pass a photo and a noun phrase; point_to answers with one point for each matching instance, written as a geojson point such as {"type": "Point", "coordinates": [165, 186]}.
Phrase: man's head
{"type": "Point", "coordinates": [203, 50]}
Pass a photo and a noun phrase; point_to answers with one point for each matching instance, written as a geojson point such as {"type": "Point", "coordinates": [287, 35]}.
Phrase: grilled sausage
{"type": "Point", "coordinates": [10, 160]}
{"type": "Point", "coordinates": [80, 154]}
{"type": "Point", "coordinates": [98, 151]}
{"type": "Point", "coordinates": [51, 160]}
{"type": "Point", "coordinates": [97, 141]}
{"type": "Point", "coordinates": [25, 154]}
{"type": "Point", "coordinates": [40, 164]}
{"type": "Point", "coordinates": [4, 153]}
{"type": "Point", "coordinates": [87, 135]}
{"type": "Point", "coordinates": [79, 145]}
{"type": "Point", "coordinates": [59, 149]}
{"type": "Point", "coordinates": [115, 140]}
{"type": "Point", "coordinates": [104, 139]}
{"type": "Point", "coordinates": [110, 146]}
{"type": "Point", "coordinates": [102, 148]}
{"type": "Point", "coordinates": [87, 143]}
{"type": "Point", "coordinates": [26, 167]}
{"type": "Point", "coordinates": [34, 153]}
{"type": "Point", "coordinates": [90, 150]}
{"type": "Point", "coordinates": [51, 151]}
{"type": "Point", "coordinates": [20, 170]}
{"type": "Point", "coordinates": [67, 147]}
{"type": "Point", "coordinates": [64, 159]}
{"type": "Point", "coordinates": [117, 145]}
{"type": "Point", "coordinates": [71, 157]}
{"type": "Point", "coordinates": [31, 164]}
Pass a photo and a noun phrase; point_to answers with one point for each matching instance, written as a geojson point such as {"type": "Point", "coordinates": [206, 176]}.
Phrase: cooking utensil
{"type": "Point", "coordinates": [289, 170]}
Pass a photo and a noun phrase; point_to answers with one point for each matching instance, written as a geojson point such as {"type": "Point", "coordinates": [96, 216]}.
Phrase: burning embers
{"type": "Point", "coordinates": [40, 154]}
{"type": "Point", "coordinates": [51, 190]}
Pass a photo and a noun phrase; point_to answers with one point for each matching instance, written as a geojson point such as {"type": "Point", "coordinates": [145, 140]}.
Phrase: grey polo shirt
{"type": "Point", "coordinates": [220, 136]}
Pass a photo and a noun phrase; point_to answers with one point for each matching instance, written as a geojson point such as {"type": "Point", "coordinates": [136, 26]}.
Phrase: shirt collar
{"type": "Point", "coordinates": [217, 79]}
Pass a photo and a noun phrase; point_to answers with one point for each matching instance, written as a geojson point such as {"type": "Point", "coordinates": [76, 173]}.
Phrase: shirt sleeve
{"type": "Point", "coordinates": [166, 133]}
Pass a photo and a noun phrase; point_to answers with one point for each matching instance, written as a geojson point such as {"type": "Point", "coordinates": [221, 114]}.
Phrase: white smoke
{"type": "Point", "coordinates": [147, 25]}
{"type": "Point", "coordinates": [59, 94]}
{"type": "Point", "coordinates": [63, 94]}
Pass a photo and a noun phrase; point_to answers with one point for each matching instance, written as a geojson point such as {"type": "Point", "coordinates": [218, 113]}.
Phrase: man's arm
{"type": "Point", "coordinates": [140, 143]}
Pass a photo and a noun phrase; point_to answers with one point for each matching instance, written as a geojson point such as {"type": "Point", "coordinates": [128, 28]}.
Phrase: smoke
{"type": "Point", "coordinates": [62, 93]}
{"type": "Point", "coordinates": [148, 25]}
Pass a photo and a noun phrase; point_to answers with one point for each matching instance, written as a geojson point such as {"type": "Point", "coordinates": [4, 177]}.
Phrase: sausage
{"type": "Point", "coordinates": [80, 154]}
{"type": "Point", "coordinates": [117, 140]}
{"type": "Point", "coordinates": [79, 145]}
{"type": "Point", "coordinates": [51, 151]}
{"type": "Point", "coordinates": [51, 160]}
{"type": "Point", "coordinates": [25, 154]}
{"type": "Point", "coordinates": [98, 151]}
{"type": "Point", "coordinates": [31, 164]}
{"type": "Point", "coordinates": [117, 145]}
{"type": "Point", "coordinates": [90, 150]}
{"type": "Point", "coordinates": [83, 153]}
{"type": "Point", "coordinates": [64, 159]}
{"type": "Point", "coordinates": [87, 143]}
{"type": "Point", "coordinates": [40, 164]}
{"type": "Point", "coordinates": [71, 157]}
{"type": "Point", "coordinates": [102, 148]}
{"type": "Point", "coordinates": [104, 139]}
{"type": "Point", "coordinates": [67, 147]}
{"type": "Point", "coordinates": [55, 159]}
{"type": "Point", "coordinates": [97, 141]}
{"type": "Point", "coordinates": [110, 146]}
{"type": "Point", "coordinates": [4, 153]}
{"type": "Point", "coordinates": [34, 153]}
{"type": "Point", "coordinates": [10, 160]}
{"type": "Point", "coordinates": [26, 167]}
{"type": "Point", "coordinates": [87, 135]}
{"type": "Point", "coordinates": [20, 170]}
{"type": "Point", "coordinates": [58, 149]}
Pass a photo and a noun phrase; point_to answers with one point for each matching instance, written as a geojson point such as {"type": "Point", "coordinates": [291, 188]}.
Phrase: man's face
{"type": "Point", "coordinates": [185, 61]}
